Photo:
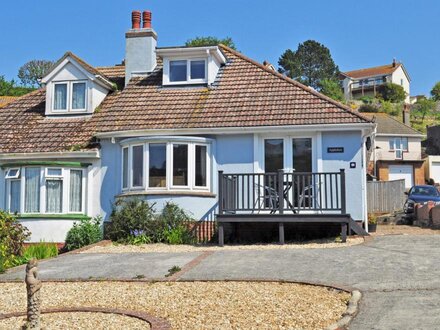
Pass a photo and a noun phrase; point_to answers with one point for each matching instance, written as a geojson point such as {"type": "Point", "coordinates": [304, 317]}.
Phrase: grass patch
{"type": "Point", "coordinates": [173, 270]}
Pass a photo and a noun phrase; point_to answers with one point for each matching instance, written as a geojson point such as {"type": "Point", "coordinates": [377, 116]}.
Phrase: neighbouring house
{"type": "Point", "coordinates": [396, 150]}
{"type": "Point", "coordinates": [365, 82]}
{"type": "Point", "coordinates": [205, 127]}
{"type": "Point", "coordinates": [432, 161]}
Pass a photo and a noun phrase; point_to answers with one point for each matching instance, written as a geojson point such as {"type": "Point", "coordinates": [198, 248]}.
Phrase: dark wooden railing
{"type": "Point", "coordinates": [282, 192]}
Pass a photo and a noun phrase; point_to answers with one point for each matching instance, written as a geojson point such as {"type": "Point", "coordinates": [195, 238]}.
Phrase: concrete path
{"type": "Point", "coordinates": [398, 275]}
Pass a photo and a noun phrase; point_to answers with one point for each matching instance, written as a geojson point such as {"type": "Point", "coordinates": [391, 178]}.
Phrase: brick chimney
{"type": "Point", "coordinates": [406, 115]}
{"type": "Point", "coordinates": [140, 46]}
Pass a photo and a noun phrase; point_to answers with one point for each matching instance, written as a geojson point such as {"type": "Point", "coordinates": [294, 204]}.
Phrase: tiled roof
{"type": "Point", "coordinates": [116, 71]}
{"type": "Point", "coordinates": [375, 71]}
{"type": "Point", "coordinates": [387, 124]}
{"type": "Point", "coordinates": [245, 94]}
{"type": "Point", "coordinates": [4, 100]}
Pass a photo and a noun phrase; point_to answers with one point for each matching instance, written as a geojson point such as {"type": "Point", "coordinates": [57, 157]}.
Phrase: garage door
{"type": "Point", "coordinates": [397, 172]}
{"type": "Point", "coordinates": [435, 171]}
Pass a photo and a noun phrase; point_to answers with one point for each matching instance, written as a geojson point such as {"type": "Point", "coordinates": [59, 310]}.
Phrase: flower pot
{"type": "Point", "coordinates": [372, 227]}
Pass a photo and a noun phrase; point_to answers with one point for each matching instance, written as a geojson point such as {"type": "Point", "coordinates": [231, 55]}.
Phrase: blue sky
{"type": "Point", "coordinates": [358, 33]}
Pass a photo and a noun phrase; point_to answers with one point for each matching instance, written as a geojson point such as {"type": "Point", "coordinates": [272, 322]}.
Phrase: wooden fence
{"type": "Point", "coordinates": [385, 196]}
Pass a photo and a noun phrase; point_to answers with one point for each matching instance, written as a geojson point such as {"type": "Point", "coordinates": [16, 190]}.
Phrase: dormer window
{"type": "Point", "coordinates": [190, 65]}
{"type": "Point", "coordinates": [70, 96]}
{"type": "Point", "coordinates": [191, 71]}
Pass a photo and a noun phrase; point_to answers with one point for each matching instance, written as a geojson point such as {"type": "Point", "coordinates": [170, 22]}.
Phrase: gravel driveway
{"type": "Point", "coordinates": [399, 275]}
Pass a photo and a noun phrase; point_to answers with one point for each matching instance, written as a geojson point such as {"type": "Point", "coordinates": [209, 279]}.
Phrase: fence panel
{"type": "Point", "coordinates": [385, 196]}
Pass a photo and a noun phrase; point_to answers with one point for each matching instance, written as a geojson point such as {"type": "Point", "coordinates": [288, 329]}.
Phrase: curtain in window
{"type": "Point", "coordinates": [32, 190]}
{"type": "Point", "coordinates": [14, 205]}
{"type": "Point", "coordinates": [60, 102]}
{"type": "Point", "coordinates": [79, 96]}
{"type": "Point", "coordinates": [75, 194]}
{"type": "Point", "coordinates": [54, 193]}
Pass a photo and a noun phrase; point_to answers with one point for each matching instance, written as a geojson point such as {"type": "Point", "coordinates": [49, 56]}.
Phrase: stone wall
{"type": "Point", "coordinates": [427, 215]}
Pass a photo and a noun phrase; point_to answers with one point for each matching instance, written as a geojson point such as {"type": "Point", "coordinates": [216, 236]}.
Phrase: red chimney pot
{"type": "Point", "coordinates": [146, 18]}
{"type": "Point", "coordinates": [136, 20]}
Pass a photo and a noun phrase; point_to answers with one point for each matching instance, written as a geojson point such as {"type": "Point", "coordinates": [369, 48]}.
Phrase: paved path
{"type": "Point", "coordinates": [398, 275]}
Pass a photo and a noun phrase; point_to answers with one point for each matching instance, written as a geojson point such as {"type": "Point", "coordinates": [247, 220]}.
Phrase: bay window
{"type": "Point", "coordinates": [169, 165]}
{"type": "Point", "coordinates": [45, 190]}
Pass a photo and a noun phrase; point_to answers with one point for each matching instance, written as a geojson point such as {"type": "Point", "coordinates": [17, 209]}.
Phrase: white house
{"type": "Point", "coordinates": [195, 125]}
{"type": "Point", "coordinates": [365, 82]}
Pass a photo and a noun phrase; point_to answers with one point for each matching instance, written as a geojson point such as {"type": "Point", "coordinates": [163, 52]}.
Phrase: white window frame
{"type": "Point", "coordinates": [8, 173]}
{"type": "Point", "coordinates": [9, 193]}
{"type": "Point", "coordinates": [83, 190]}
{"type": "Point", "coordinates": [400, 148]}
{"type": "Point", "coordinates": [169, 186]}
{"type": "Point", "coordinates": [85, 95]}
{"type": "Point", "coordinates": [67, 96]}
{"type": "Point", "coordinates": [69, 101]}
{"type": "Point", "coordinates": [127, 187]}
{"type": "Point", "coordinates": [130, 158]}
{"type": "Point", "coordinates": [167, 71]}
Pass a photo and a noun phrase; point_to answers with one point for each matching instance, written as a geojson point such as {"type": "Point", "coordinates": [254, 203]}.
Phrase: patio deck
{"type": "Point", "coordinates": [284, 197]}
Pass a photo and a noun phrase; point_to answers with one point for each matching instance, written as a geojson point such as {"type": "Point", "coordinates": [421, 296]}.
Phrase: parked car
{"type": "Point", "coordinates": [421, 195]}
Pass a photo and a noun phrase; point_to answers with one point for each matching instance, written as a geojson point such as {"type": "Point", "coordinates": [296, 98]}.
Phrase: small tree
{"type": "Point", "coordinates": [332, 89]}
{"type": "Point", "coordinates": [424, 107]}
{"type": "Point", "coordinates": [210, 41]}
{"type": "Point", "coordinates": [435, 92]}
{"type": "Point", "coordinates": [392, 92]}
{"type": "Point", "coordinates": [309, 64]}
{"type": "Point", "coordinates": [31, 72]}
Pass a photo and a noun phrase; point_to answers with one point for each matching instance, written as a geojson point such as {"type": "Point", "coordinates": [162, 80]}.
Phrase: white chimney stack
{"type": "Point", "coordinates": [140, 46]}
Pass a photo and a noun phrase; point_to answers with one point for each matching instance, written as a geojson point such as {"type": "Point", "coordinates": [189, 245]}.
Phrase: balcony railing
{"type": "Point", "coordinates": [282, 192]}
{"type": "Point", "coordinates": [367, 84]}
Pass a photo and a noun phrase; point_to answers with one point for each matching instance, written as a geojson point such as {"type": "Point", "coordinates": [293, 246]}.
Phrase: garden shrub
{"type": "Point", "coordinates": [12, 236]}
{"type": "Point", "coordinates": [133, 218]}
{"type": "Point", "coordinates": [40, 251]}
{"type": "Point", "coordinates": [83, 233]}
{"type": "Point", "coordinates": [134, 221]}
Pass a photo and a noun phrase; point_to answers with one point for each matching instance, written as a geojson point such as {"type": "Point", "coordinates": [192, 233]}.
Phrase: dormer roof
{"type": "Point", "coordinates": [191, 51]}
{"type": "Point", "coordinates": [90, 71]}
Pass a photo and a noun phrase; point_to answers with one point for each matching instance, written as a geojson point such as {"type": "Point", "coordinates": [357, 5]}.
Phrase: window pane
{"type": "Point", "coordinates": [79, 96]}
{"type": "Point", "coordinates": [302, 155]}
{"type": "Point", "coordinates": [391, 144]}
{"type": "Point", "coordinates": [124, 167]}
{"type": "Point", "coordinates": [138, 166]}
{"type": "Point", "coordinates": [32, 190]}
{"type": "Point", "coordinates": [75, 194]}
{"type": "Point", "coordinates": [399, 154]}
{"type": "Point", "coordinates": [405, 144]}
{"type": "Point", "coordinates": [178, 70]}
{"type": "Point", "coordinates": [14, 205]}
{"type": "Point", "coordinates": [180, 164]}
{"type": "Point", "coordinates": [13, 173]}
{"type": "Point", "coordinates": [273, 155]}
{"type": "Point", "coordinates": [197, 69]}
{"type": "Point", "coordinates": [158, 164]}
{"type": "Point", "coordinates": [200, 166]}
{"type": "Point", "coordinates": [54, 196]}
{"type": "Point", "coordinates": [398, 143]}
{"type": "Point", "coordinates": [54, 172]}
{"type": "Point", "coordinates": [60, 97]}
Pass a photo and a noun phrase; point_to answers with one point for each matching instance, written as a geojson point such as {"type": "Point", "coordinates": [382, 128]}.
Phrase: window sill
{"type": "Point", "coordinates": [53, 216]}
{"type": "Point", "coordinates": [168, 193]}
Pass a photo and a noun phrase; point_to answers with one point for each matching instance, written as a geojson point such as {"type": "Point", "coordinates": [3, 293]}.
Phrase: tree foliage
{"type": "Point", "coordinates": [309, 64]}
{"type": "Point", "coordinates": [332, 89]}
{"type": "Point", "coordinates": [8, 88]}
{"type": "Point", "coordinates": [392, 92]}
{"type": "Point", "coordinates": [435, 92]}
{"type": "Point", "coordinates": [210, 41]}
{"type": "Point", "coordinates": [424, 107]}
{"type": "Point", "coordinates": [31, 72]}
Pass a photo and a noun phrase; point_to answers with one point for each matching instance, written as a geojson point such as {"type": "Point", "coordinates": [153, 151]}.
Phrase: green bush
{"type": "Point", "coordinates": [134, 221]}
{"type": "Point", "coordinates": [40, 251]}
{"type": "Point", "coordinates": [86, 232]}
{"type": "Point", "coordinates": [131, 218]}
{"type": "Point", "coordinates": [368, 108]}
{"type": "Point", "coordinates": [12, 237]}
